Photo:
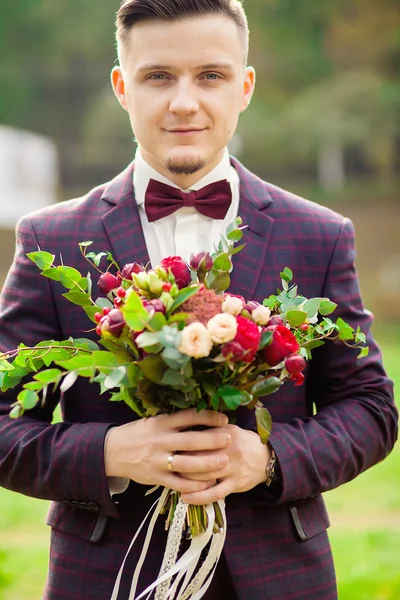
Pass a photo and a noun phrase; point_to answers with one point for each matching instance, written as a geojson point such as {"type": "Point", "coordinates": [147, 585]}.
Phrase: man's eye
{"type": "Point", "coordinates": [212, 76]}
{"type": "Point", "coordinates": [157, 76]}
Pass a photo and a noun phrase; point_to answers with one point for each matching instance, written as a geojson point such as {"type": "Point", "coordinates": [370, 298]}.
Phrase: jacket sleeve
{"type": "Point", "coordinates": [63, 461]}
{"type": "Point", "coordinates": [354, 425]}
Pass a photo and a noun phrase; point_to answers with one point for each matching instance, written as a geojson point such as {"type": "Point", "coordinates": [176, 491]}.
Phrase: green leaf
{"type": "Point", "coordinates": [157, 322]}
{"type": "Point", "coordinates": [91, 311]}
{"type": "Point", "coordinates": [172, 377]}
{"type": "Point", "coordinates": [222, 263]}
{"type": "Point", "coordinates": [153, 367]}
{"type": "Point", "coordinates": [80, 363]}
{"type": "Point", "coordinates": [85, 344]}
{"type": "Point", "coordinates": [264, 388]}
{"type": "Point", "coordinates": [313, 344]}
{"type": "Point", "coordinates": [102, 358]}
{"type": "Point", "coordinates": [85, 244]}
{"type": "Point", "coordinates": [48, 376]}
{"type": "Point", "coordinates": [69, 276]}
{"type": "Point", "coordinates": [184, 294]}
{"type": "Point", "coordinates": [28, 399]}
{"type": "Point", "coordinates": [16, 412]}
{"type": "Point", "coordinates": [146, 339]}
{"type": "Point", "coordinates": [346, 332]}
{"type": "Point", "coordinates": [296, 317]}
{"type": "Point", "coordinates": [115, 377]}
{"type": "Point", "coordinates": [363, 352]}
{"type": "Point", "coordinates": [264, 422]}
{"type": "Point", "coordinates": [231, 396]}
{"type": "Point", "coordinates": [236, 249]}
{"type": "Point", "coordinates": [270, 302]}
{"type": "Point", "coordinates": [235, 235]}
{"type": "Point", "coordinates": [78, 298]}
{"type": "Point", "coordinates": [135, 315]}
{"type": "Point", "coordinates": [96, 258]}
{"type": "Point", "coordinates": [286, 275]}
{"type": "Point", "coordinates": [266, 339]}
{"type": "Point", "coordinates": [311, 307]}
{"type": "Point", "coordinates": [43, 260]}
{"type": "Point", "coordinates": [219, 283]}
{"type": "Point", "coordinates": [215, 400]}
{"type": "Point", "coordinates": [52, 273]}
{"type": "Point", "coordinates": [326, 307]}
{"type": "Point", "coordinates": [174, 359]}
{"type": "Point", "coordinates": [33, 385]}
{"type": "Point", "coordinates": [179, 317]}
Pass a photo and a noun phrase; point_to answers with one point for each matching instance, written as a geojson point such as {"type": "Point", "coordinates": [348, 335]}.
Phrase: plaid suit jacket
{"type": "Point", "coordinates": [325, 433]}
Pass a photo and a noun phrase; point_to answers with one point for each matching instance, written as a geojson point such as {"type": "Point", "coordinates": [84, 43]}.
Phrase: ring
{"type": "Point", "coordinates": [169, 463]}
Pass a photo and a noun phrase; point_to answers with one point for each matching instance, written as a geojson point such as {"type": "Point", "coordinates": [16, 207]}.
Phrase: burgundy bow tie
{"type": "Point", "coordinates": [162, 200]}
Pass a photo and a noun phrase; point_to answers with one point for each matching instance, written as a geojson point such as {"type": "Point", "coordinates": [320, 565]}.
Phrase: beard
{"type": "Point", "coordinates": [185, 166]}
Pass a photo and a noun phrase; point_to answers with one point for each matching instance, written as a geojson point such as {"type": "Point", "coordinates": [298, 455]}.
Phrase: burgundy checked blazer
{"type": "Point", "coordinates": [341, 422]}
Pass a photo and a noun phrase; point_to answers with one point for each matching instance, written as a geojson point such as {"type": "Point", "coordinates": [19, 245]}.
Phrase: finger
{"type": "Point", "coordinates": [187, 486]}
{"type": "Point", "coordinates": [190, 418]}
{"type": "Point", "coordinates": [205, 476]}
{"type": "Point", "coordinates": [200, 465]}
{"type": "Point", "coordinates": [192, 441]}
{"type": "Point", "coordinates": [207, 496]}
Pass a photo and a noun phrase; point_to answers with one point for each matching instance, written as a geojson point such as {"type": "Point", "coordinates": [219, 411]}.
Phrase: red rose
{"type": "Point", "coordinates": [108, 282]}
{"type": "Point", "coordinates": [282, 345]}
{"type": "Point", "coordinates": [234, 351]}
{"type": "Point", "coordinates": [179, 269]}
{"type": "Point", "coordinates": [295, 364]}
{"type": "Point", "coordinates": [248, 336]}
{"type": "Point", "coordinates": [113, 322]}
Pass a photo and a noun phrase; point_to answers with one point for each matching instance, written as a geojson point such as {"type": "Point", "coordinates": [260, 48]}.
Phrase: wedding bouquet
{"type": "Point", "coordinates": [174, 338]}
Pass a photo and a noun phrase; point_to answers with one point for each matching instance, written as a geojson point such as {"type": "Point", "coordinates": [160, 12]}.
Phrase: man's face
{"type": "Point", "coordinates": [184, 85]}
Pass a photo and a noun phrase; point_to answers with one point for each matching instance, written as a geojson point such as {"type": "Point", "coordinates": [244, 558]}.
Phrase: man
{"type": "Point", "coordinates": [183, 80]}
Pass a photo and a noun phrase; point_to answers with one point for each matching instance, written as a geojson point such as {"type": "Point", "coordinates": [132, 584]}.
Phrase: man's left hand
{"type": "Point", "coordinates": [248, 457]}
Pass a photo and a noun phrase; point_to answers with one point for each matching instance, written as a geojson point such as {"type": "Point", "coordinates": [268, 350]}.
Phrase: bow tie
{"type": "Point", "coordinates": [162, 200]}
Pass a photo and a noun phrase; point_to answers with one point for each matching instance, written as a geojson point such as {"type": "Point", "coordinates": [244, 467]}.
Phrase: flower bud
{"type": "Point", "coordinates": [202, 261]}
{"type": "Point", "coordinates": [141, 280]}
{"type": "Point", "coordinates": [155, 305]}
{"type": "Point", "coordinates": [261, 315]}
{"type": "Point", "coordinates": [250, 306]}
{"type": "Point", "coordinates": [155, 284]}
{"type": "Point", "coordinates": [108, 282]}
{"type": "Point", "coordinates": [129, 269]}
{"type": "Point", "coordinates": [113, 323]}
{"type": "Point", "coordinates": [179, 269]}
{"type": "Point", "coordinates": [295, 364]}
{"type": "Point", "coordinates": [275, 320]}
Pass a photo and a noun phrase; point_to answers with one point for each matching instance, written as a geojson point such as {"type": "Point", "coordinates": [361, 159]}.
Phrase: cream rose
{"type": "Point", "coordinates": [261, 315]}
{"type": "Point", "coordinates": [232, 305]}
{"type": "Point", "coordinates": [195, 341]}
{"type": "Point", "coordinates": [222, 328]}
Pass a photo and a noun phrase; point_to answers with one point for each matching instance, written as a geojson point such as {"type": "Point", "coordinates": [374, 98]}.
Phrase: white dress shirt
{"type": "Point", "coordinates": [184, 232]}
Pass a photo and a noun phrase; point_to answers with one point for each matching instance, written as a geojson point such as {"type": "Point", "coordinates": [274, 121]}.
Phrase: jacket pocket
{"type": "Point", "coordinates": [80, 523]}
{"type": "Point", "coordinates": [309, 517]}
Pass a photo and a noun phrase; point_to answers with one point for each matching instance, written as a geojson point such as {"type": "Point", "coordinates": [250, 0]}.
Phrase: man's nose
{"type": "Point", "coordinates": [184, 100]}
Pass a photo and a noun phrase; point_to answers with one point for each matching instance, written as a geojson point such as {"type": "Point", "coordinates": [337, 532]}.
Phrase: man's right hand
{"type": "Point", "coordinates": [140, 450]}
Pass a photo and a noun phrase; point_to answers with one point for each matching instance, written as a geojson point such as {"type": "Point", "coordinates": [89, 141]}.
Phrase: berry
{"type": "Point", "coordinates": [121, 293]}
{"type": "Point", "coordinates": [97, 317]}
{"type": "Point", "coordinates": [98, 330]}
{"type": "Point", "coordinates": [167, 287]}
{"type": "Point", "coordinates": [106, 311]}
{"type": "Point", "coordinates": [304, 327]}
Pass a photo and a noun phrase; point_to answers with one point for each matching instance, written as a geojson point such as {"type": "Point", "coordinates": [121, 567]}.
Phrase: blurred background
{"type": "Point", "coordinates": [324, 123]}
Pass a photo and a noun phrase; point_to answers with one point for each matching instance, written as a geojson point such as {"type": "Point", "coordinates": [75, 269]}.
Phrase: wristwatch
{"type": "Point", "coordinates": [272, 469]}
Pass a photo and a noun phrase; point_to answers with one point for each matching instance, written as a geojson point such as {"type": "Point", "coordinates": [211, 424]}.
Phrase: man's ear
{"type": "Point", "coordinates": [248, 87]}
{"type": "Point", "coordinates": [118, 85]}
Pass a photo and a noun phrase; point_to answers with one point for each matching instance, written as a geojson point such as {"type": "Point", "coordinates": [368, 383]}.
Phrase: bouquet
{"type": "Point", "coordinates": [174, 338]}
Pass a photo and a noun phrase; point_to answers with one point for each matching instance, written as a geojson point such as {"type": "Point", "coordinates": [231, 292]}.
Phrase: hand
{"type": "Point", "coordinates": [248, 457]}
{"type": "Point", "coordinates": [140, 450]}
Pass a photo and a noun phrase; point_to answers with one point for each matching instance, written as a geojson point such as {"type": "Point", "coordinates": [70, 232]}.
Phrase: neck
{"type": "Point", "coordinates": [182, 180]}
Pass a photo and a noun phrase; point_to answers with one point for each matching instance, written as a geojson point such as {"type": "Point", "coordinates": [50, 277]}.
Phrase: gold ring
{"type": "Point", "coordinates": [169, 463]}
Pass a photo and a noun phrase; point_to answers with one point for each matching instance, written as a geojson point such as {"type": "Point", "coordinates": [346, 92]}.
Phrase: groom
{"type": "Point", "coordinates": [183, 80]}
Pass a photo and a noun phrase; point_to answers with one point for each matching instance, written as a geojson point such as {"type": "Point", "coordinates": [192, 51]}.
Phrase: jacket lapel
{"type": "Point", "coordinates": [122, 221]}
{"type": "Point", "coordinates": [248, 264]}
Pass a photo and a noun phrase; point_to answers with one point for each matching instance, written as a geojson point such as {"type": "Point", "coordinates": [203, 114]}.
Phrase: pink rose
{"type": "Point", "coordinates": [282, 345]}
{"type": "Point", "coordinates": [156, 304]}
{"type": "Point", "coordinates": [108, 282]}
{"type": "Point", "coordinates": [179, 269]}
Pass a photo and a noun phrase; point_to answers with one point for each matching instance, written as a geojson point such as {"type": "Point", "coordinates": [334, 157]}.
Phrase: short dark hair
{"type": "Point", "coordinates": [134, 11]}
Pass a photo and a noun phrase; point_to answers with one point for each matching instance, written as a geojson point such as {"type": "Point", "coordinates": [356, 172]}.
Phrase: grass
{"type": "Point", "coordinates": [365, 532]}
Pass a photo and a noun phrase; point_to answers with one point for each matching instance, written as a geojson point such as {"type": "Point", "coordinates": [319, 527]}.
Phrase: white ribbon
{"type": "Point", "coordinates": [184, 568]}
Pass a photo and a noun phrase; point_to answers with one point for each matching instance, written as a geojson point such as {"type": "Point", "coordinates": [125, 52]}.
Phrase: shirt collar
{"type": "Point", "coordinates": [143, 172]}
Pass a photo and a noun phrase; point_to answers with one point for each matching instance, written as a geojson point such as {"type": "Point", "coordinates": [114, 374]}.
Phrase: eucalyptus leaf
{"type": "Point", "coordinates": [172, 377]}
{"type": "Point", "coordinates": [296, 317]}
{"type": "Point", "coordinates": [311, 307]}
{"type": "Point", "coordinates": [69, 381]}
{"type": "Point", "coordinates": [115, 377]}
{"type": "Point", "coordinates": [326, 307]}
{"type": "Point", "coordinates": [174, 359]}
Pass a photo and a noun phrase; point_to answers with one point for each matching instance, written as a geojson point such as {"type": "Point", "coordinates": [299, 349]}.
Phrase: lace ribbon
{"type": "Point", "coordinates": [185, 586]}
